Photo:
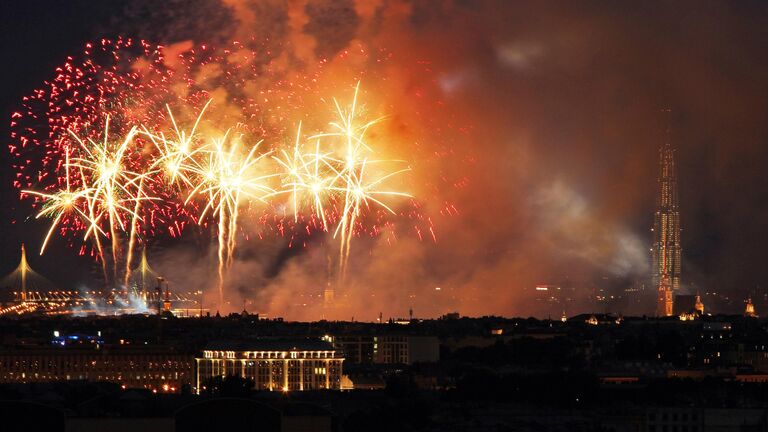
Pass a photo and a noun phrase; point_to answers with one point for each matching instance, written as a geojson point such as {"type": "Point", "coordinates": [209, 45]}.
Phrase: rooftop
{"type": "Point", "coordinates": [271, 344]}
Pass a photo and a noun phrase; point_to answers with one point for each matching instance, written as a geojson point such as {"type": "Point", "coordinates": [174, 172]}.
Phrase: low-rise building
{"type": "Point", "coordinates": [153, 368]}
{"type": "Point", "coordinates": [388, 349]}
{"type": "Point", "coordinates": [273, 364]}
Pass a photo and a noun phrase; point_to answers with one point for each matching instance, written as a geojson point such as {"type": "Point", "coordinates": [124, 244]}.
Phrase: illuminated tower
{"type": "Point", "coordinates": [664, 301]}
{"type": "Point", "coordinates": [144, 270]}
{"type": "Point", "coordinates": [667, 251]}
{"type": "Point", "coordinates": [23, 269]}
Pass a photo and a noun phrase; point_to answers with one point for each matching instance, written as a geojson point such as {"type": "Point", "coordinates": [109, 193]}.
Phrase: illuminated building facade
{"type": "Point", "coordinates": [160, 371]}
{"type": "Point", "coordinates": [667, 250]}
{"type": "Point", "coordinates": [273, 365]}
{"type": "Point", "coordinates": [665, 300]}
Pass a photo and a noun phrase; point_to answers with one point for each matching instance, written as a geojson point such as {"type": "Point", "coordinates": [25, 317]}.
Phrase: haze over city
{"type": "Point", "coordinates": [531, 133]}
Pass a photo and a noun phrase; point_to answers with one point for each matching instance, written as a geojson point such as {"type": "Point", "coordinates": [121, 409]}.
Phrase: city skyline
{"type": "Point", "coordinates": [550, 168]}
{"type": "Point", "coordinates": [384, 215]}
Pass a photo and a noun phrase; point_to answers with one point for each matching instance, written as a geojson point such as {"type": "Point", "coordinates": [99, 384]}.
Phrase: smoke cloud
{"type": "Point", "coordinates": [532, 129]}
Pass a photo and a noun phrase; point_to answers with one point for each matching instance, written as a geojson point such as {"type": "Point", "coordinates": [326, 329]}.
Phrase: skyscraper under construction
{"type": "Point", "coordinates": [667, 250]}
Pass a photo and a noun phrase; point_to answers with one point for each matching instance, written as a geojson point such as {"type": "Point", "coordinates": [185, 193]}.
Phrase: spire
{"type": "Point", "coordinates": [667, 249]}
{"type": "Point", "coordinates": [23, 269]}
{"type": "Point", "coordinates": [25, 280]}
{"type": "Point", "coordinates": [667, 112]}
{"type": "Point", "coordinates": [142, 276]}
{"type": "Point", "coordinates": [144, 270]}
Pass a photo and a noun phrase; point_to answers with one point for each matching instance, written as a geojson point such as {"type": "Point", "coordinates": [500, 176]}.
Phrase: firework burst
{"type": "Point", "coordinates": [353, 180]}
{"type": "Point", "coordinates": [228, 181]}
{"type": "Point", "coordinates": [115, 192]}
{"type": "Point", "coordinates": [309, 177]}
{"type": "Point", "coordinates": [160, 176]}
{"type": "Point", "coordinates": [61, 203]}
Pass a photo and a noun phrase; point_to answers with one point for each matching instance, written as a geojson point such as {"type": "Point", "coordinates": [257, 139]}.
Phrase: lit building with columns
{"type": "Point", "coordinates": [279, 365]}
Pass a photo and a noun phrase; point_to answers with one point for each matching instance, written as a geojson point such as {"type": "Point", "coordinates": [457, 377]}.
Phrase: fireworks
{"type": "Point", "coordinates": [174, 154]}
{"type": "Point", "coordinates": [113, 185]}
{"type": "Point", "coordinates": [108, 191]}
{"type": "Point", "coordinates": [227, 180]}
{"type": "Point", "coordinates": [219, 175]}
{"type": "Point", "coordinates": [160, 172]}
{"type": "Point", "coordinates": [353, 179]}
{"type": "Point", "coordinates": [60, 203]}
{"type": "Point", "coordinates": [309, 177]}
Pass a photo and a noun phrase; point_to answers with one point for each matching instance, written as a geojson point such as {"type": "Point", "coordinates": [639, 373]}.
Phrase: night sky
{"type": "Point", "coordinates": [563, 105]}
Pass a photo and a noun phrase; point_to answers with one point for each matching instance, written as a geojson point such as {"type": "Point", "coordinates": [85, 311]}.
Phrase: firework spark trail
{"type": "Point", "coordinates": [363, 192]}
{"type": "Point", "coordinates": [112, 189]}
{"type": "Point", "coordinates": [60, 203]}
{"type": "Point", "coordinates": [352, 180]}
{"type": "Point", "coordinates": [226, 181]}
{"type": "Point", "coordinates": [177, 154]}
{"type": "Point", "coordinates": [132, 236]}
{"type": "Point", "coordinates": [311, 174]}
{"type": "Point", "coordinates": [93, 227]}
{"type": "Point", "coordinates": [220, 176]}
{"type": "Point", "coordinates": [104, 165]}
{"type": "Point", "coordinates": [190, 161]}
